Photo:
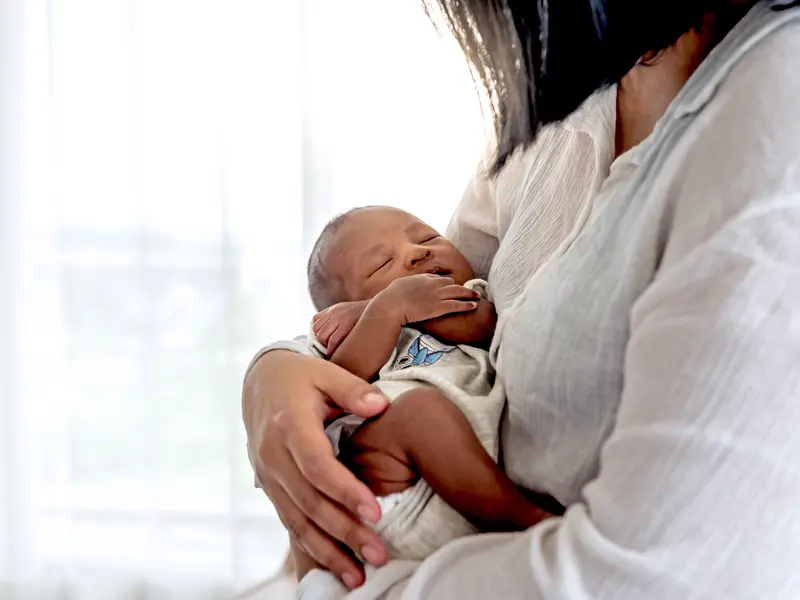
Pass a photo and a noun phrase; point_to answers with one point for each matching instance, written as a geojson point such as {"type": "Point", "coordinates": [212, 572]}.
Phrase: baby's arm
{"type": "Point", "coordinates": [369, 345]}
{"type": "Point", "coordinates": [407, 300]}
{"type": "Point", "coordinates": [426, 431]}
{"type": "Point", "coordinates": [475, 328]}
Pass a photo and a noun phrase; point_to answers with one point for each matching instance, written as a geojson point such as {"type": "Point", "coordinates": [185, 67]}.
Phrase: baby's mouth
{"type": "Point", "coordinates": [440, 272]}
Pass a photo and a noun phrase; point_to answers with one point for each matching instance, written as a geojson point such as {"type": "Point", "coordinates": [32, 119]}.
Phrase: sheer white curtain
{"type": "Point", "coordinates": [165, 166]}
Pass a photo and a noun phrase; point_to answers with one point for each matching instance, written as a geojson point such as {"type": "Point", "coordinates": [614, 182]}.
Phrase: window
{"type": "Point", "coordinates": [177, 159]}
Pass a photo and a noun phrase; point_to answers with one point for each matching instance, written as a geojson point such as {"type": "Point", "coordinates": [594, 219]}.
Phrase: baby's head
{"type": "Point", "coordinates": [362, 251]}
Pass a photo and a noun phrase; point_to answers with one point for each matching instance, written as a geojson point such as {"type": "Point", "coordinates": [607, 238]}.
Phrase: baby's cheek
{"type": "Point", "coordinates": [363, 290]}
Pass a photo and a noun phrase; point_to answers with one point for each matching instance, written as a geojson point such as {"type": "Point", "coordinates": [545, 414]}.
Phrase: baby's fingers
{"type": "Point", "coordinates": [458, 292]}
{"type": "Point", "coordinates": [457, 306]}
{"type": "Point", "coordinates": [326, 331]}
{"type": "Point", "coordinates": [319, 321]}
{"type": "Point", "coordinates": [336, 338]}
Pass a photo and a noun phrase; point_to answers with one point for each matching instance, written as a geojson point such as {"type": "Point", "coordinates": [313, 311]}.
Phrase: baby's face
{"type": "Point", "coordinates": [377, 245]}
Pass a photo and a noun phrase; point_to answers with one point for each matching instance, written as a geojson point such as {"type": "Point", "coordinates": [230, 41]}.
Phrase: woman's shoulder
{"type": "Point", "coordinates": [597, 116]}
{"type": "Point", "coordinates": [736, 154]}
{"type": "Point", "coordinates": [765, 60]}
{"type": "Point", "coordinates": [747, 130]}
{"type": "Point", "coordinates": [756, 60]}
{"type": "Point", "coordinates": [592, 124]}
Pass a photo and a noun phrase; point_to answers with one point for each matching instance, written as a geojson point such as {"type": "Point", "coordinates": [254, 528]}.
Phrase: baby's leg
{"type": "Point", "coordinates": [443, 448]}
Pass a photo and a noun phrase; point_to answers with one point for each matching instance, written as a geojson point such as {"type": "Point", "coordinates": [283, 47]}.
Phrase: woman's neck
{"type": "Point", "coordinates": [648, 89]}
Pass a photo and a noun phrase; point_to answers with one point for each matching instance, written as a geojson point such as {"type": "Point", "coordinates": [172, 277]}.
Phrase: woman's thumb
{"type": "Point", "coordinates": [352, 393]}
{"type": "Point", "coordinates": [369, 404]}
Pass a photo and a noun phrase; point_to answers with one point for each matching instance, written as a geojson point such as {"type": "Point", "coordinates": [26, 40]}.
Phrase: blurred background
{"type": "Point", "coordinates": [165, 166]}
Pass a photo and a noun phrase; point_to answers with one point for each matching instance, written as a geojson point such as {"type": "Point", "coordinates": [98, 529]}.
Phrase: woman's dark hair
{"type": "Point", "coordinates": [537, 60]}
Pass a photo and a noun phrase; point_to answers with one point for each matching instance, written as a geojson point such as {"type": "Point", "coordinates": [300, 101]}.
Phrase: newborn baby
{"type": "Point", "coordinates": [374, 272]}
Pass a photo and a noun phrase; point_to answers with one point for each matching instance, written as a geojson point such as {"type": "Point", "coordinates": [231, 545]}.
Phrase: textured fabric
{"type": "Point", "coordinates": [653, 364]}
{"type": "Point", "coordinates": [508, 227]}
{"type": "Point", "coordinates": [416, 522]}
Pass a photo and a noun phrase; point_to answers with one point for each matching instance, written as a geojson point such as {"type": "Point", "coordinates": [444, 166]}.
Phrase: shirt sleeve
{"type": "Point", "coordinates": [298, 345]}
{"type": "Point", "coordinates": [473, 228]}
{"type": "Point", "coordinates": [547, 186]}
{"type": "Point", "coordinates": [699, 485]}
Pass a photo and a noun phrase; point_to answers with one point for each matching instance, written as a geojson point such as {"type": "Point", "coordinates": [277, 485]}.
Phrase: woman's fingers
{"type": "Point", "coordinates": [311, 451]}
{"type": "Point", "coordinates": [311, 490]}
{"type": "Point", "coordinates": [347, 391]}
{"type": "Point", "coordinates": [315, 542]}
{"type": "Point", "coordinates": [333, 519]}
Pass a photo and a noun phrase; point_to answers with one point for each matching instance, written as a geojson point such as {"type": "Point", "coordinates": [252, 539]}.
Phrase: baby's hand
{"type": "Point", "coordinates": [422, 297]}
{"type": "Point", "coordinates": [334, 324]}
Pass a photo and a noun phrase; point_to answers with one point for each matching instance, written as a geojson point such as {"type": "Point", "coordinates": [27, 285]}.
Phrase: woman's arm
{"type": "Point", "coordinates": [298, 345]}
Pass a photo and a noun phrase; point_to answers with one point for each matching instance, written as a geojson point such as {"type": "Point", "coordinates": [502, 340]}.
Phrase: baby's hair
{"type": "Point", "coordinates": [325, 288]}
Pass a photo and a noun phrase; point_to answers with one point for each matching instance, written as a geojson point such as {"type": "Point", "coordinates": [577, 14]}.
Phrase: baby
{"type": "Point", "coordinates": [373, 273]}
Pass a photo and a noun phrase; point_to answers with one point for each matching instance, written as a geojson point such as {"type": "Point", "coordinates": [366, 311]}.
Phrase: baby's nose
{"type": "Point", "coordinates": [418, 255]}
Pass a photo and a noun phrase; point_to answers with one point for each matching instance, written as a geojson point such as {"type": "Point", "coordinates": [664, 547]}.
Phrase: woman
{"type": "Point", "coordinates": [651, 367]}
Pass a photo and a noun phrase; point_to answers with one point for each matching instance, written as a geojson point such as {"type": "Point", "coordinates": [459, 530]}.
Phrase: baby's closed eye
{"type": "Point", "coordinates": [380, 265]}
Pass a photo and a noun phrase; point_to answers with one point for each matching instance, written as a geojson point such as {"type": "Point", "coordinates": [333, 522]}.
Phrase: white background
{"type": "Point", "coordinates": [165, 166]}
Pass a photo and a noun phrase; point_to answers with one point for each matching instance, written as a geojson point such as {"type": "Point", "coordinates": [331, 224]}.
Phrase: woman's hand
{"type": "Point", "coordinates": [286, 399]}
{"type": "Point", "coordinates": [334, 324]}
{"type": "Point", "coordinates": [302, 562]}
